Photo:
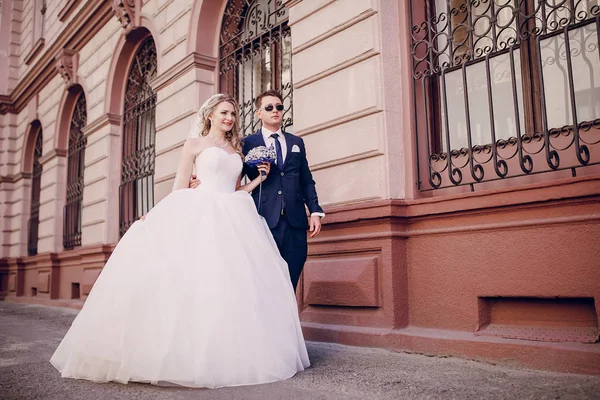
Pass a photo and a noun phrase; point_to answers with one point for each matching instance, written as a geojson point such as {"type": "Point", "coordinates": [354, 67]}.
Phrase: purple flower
{"type": "Point", "coordinates": [259, 155]}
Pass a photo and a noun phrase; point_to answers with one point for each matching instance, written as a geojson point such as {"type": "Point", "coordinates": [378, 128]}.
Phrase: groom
{"type": "Point", "coordinates": [288, 187]}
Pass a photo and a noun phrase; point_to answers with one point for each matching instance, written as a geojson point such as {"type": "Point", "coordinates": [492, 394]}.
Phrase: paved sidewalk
{"type": "Point", "coordinates": [29, 334]}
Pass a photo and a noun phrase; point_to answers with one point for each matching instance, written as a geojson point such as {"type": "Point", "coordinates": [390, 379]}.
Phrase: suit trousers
{"type": "Point", "coordinates": [293, 246]}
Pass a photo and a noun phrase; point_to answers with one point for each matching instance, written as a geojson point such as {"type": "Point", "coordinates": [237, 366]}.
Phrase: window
{"type": "Point", "coordinates": [504, 87]}
{"type": "Point", "coordinates": [36, 188]}
{"type": "Point", "coordinates": [256, 55]}
{"type": "Point", "coordinates": [39, 19]}
{"type": "Point", "coordinates": [75, 166]}
{"type": "Point", "coordinates": [38, 24]}
{"type": "Point", "coordinates": [136, 193]}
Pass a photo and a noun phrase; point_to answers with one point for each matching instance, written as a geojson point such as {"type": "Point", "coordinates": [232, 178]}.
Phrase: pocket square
{"type": "Point", "coordinates": [295, 149]}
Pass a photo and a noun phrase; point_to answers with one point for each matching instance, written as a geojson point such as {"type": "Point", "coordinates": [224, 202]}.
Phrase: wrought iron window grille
{"type": "Point", "coordinates": [255, 56]}
{"type": "Point", "coordinates": [504, 88]}
{"type": "Point", "coordinates": [136, 192]}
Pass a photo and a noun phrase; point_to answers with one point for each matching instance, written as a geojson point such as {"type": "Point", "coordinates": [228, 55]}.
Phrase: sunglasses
{"type": "Point", "coordinates": [270, 107]}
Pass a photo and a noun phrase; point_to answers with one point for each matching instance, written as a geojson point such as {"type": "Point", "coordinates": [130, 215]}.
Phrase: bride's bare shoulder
{"type": "Point", "coordinates": [195, 145]}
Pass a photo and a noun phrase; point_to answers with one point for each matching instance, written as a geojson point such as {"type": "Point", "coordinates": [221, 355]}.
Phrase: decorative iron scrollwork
{"type": "Point", "coordinates": [486, 74]}
{"type": "Point", "coordinates": [255, 55]}
{"type": "Point", "coordinates": [36, 188]}
{"type": "Point", "coordinates": [75, 168]}
{"type": "Point", "coordinates": [136, 192]}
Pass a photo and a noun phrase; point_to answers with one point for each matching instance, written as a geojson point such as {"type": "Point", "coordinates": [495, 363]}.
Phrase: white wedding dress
{"type": "Point", "coordinates": [195, 295]}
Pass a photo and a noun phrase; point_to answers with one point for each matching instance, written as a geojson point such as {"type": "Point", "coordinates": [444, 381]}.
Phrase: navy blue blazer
{"type": "Point", "coordinates": [289, 188]}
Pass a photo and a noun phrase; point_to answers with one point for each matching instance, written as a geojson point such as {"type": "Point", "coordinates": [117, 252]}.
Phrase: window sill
{"type": "Point", "coordinates": [37, 48]}
{"type": "Point", "coordinates": [67, 10]}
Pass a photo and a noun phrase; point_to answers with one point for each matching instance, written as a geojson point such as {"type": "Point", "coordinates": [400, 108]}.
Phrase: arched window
{"type": "Point", "coordinates": [136, 193]}
{"type": "Point", "coordinates": [256, 55]}
{"type": "Point", "coordinates": [36, 188]}
{"type": "Point", "coordinates": [73, 208]}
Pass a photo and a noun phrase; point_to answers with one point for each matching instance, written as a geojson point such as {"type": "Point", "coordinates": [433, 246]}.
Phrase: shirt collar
{"type": "Point", "coordinates": [267, 133]}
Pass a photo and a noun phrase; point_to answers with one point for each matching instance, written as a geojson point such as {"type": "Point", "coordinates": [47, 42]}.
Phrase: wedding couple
{"type": "Point", "coordinates": [201, 291]}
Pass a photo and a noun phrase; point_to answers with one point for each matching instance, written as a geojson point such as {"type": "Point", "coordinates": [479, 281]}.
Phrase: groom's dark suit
{"type": "Point", "coordinates": [284, 193]}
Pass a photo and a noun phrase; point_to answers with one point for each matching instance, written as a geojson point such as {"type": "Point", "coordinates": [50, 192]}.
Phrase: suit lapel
{"type": "Point", "coordinates": [260, 140]}
{"type": "Point", "coordinates": [289, 144]}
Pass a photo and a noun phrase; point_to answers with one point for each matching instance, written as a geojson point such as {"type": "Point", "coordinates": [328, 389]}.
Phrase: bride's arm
{"type": "Point", "coordinates": [250, 186]}
{"type": "Point", "coordinates": [186, 161]}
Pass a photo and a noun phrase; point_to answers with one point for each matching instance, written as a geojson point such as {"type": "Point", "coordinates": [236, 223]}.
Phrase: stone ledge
{"type": "Point", "coordinates": [558, 357]}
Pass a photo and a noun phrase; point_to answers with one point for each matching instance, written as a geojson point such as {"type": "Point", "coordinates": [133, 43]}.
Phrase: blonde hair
{"type": "Point", "coordinates": [233, 136]}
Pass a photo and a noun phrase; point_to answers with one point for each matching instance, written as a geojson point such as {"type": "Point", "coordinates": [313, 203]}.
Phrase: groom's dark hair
{"type": "Point", "coordinates": [273, 93]}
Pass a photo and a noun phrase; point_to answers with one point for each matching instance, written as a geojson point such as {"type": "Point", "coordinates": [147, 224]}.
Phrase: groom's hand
{"type": "Point", "coordinates": [315, 225]}
{"type": "Point", "coordinates": [194, 182]}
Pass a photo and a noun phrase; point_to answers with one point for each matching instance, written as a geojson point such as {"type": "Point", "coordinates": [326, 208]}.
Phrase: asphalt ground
{"type": "Point", "coordinates": [29, 334]}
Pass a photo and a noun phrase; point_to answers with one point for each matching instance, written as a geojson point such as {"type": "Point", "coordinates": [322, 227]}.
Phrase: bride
{"type": "Point", "coordinates": [195, 293]}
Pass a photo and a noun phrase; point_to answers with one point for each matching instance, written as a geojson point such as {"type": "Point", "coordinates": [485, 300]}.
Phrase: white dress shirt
{"type": "Point", "coordinates": [269, 141]}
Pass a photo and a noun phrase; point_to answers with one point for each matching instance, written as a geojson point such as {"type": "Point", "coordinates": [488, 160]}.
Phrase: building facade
{"type": "Point", "coordinates": [454, 144]}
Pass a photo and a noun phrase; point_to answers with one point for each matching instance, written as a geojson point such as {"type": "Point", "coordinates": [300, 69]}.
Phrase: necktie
{"type": "Point", "coordinates": [278, 150]}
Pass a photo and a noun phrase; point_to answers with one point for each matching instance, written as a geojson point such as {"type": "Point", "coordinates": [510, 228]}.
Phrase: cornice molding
{"type": "Point", "coordinates": [77, 33]}
{"type": "Point", "coordinates": [35, 50]}
{"type": "Point", "coordinates": [52, 154]}
{"type": "Point", "coordinates": [16, 177]}
{"type": "Point", "coordinates": [193, 60]}
{"type": "Point", "coordinates": [101, 122]}
{"type": "Point", "coordinates": [67, 10]}
{"type": "Point", "coordinates": [6, 105]}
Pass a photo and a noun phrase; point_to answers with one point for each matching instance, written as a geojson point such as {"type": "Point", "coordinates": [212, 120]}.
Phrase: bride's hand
{"type": "Point", "coordinates": [266, 168]}
{"type": "Point", "coordinates": [194, 182]}
{"type": "Point", "coordinates": [143, 217]}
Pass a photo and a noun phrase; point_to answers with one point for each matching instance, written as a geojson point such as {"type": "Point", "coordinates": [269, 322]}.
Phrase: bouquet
{"type": "Point", "coordinates": [259, 155]}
